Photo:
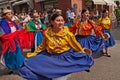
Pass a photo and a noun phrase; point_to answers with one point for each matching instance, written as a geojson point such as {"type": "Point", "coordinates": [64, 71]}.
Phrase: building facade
{"type": "Point", "coordinates": [22, 6]}
{"type": "Point", "coordinates": [4, 4]}
{"type": "Point", "coordinates": [17, 5]}
{"type": "Point", "coordinates": [42, 5]}
{"type": "Point", "coordinates": [46, 5]}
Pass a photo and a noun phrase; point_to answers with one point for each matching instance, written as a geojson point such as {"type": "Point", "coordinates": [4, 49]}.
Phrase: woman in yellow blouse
{"type": "Point", "coordinates": [85, 37]}
{"type": "Point", "coordinates": [58, 55]}
{"type": "Point", "coordinates": [106, 27]}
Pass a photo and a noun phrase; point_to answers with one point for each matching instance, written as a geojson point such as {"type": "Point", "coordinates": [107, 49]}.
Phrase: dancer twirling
{"type": "Point", "coordinates": [84, 29]}
{"type": "Point", "coordinates": [106, 27]}
{"type": "Point", "coordinates": [55, 57]}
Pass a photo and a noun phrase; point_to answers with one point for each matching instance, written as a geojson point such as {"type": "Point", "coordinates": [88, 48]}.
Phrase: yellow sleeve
{"type": "Point", "coordinates": [38, 49]}
{"type": "Point", "coordinates": [74, 44]}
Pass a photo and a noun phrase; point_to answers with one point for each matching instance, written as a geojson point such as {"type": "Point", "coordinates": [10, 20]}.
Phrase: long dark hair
{"type": "Point", "coordinates": [83, 11]}
{"type": "Point", "coordinates": [104, 11]}
{"type": "Point", "coordinates": [53, 17]}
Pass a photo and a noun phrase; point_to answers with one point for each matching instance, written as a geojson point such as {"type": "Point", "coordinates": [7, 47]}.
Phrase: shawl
{"type": "Point", "coordinates": [31, 25]}
{"type": "Point", "coordinates": [5, 26]}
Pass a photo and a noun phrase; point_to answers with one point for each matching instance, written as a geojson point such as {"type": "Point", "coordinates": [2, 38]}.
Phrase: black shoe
{"type": "Point", "coordinates": [87, 70]}
{"type": "Point", "coordinates": [10, 72]}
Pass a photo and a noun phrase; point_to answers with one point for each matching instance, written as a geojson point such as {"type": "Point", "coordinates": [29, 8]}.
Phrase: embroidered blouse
{"type": "Point", "coordinates": [84, 29]}
{"type": "Point", "coordinates": [58, 42]}
{"type": "Point", "coordinates": [12, 26]}
{"type": "Point", "coordinates": [105, 23]}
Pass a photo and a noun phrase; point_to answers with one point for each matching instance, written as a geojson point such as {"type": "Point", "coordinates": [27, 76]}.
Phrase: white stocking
{"type": "Point", "coordinates": [62, 78]}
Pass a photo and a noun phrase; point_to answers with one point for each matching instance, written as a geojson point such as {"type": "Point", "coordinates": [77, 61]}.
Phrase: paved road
{"type": "Point", "coordinates": [105, 68]}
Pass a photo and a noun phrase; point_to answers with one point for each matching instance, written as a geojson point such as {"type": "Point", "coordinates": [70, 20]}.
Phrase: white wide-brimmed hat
{"type": "Point", "coordinates": [6, 11]}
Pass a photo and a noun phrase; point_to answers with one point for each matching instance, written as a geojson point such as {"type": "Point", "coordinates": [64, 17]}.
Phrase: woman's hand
{"type": "Point", "coordinates": [102, 36]}
{"type": "Point", "coordinates": [88, 51]}
{"type": "Point", "coordinates": [106, 36]}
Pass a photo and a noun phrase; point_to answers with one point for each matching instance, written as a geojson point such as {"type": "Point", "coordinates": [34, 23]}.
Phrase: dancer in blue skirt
{"type": "Point", "coordinates": [106, 27]}
{"type": "Point", "coordinates": [58, 55]}
{"type": "Point", "coordinates": [84, 36]}
{"type": "Point", "coordinates": [36, 26]}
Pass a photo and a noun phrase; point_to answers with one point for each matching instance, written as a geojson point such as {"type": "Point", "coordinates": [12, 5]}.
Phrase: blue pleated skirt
{"type": "Point", "coordinates": [95, 44]}
{"type": "Point", "coordinates": [110, 42]}
{"type": "Point", "coordinates": [14, 60]}
{"type": "Point", "coordinates": [46, 66]}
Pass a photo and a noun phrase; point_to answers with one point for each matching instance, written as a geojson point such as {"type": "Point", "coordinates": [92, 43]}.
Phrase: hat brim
{"type": "Point", "coordinates": [6, 11]}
